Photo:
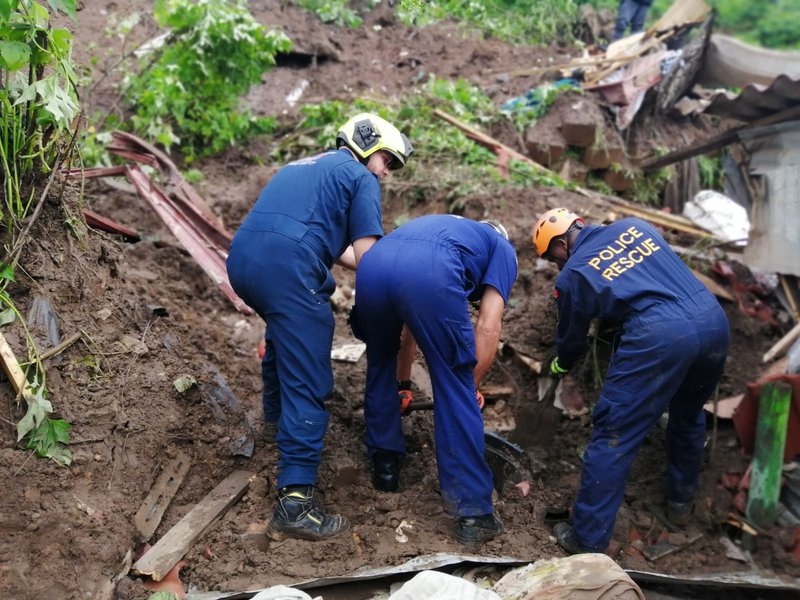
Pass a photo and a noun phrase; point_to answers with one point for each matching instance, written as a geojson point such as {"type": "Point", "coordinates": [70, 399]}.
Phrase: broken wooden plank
{"type": "Point", "coordinates": [666, 220]}
{"type": "Point", "coordinates": [787, 289]}
{"type": "Point", "coordinates": [161, 494]}
{"type": "Point", "coordinates": [12, 369]}
{"type": "Point", "coordinates": [177, 541]}
{"type": "Point", "coordinates": [652, 42]}
{"type": "Point", "coordinates": [489, 141]}
{"type": "Point", "coordinates": [497, 391]}
{"type": "Point", "coordinates": [61, 347]}
{"type": "Point", "coordinates": [713, 286]}
{"type": "Point", "coordinates": [782, 345]}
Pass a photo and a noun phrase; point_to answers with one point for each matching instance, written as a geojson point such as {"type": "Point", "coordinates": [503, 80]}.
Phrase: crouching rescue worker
{"type": "Point", "coordinates": [424, 275]}
{"type": "Point", "coordinates": [670, 356]}
{"type": "Point", "coordinates": [279, 263]}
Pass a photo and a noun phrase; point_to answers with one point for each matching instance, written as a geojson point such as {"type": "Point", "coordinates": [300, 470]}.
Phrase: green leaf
{"type": "Point", "coordinates": [48, 440]}
{"type": "Point", "coordinates": [38, 407]}
{"type": "Point", "coordinates": [5, 9]}
{"type": "Point", "coordinates": [65, 6]}
{"type": "Point", "coordinates": [61, 39]}
{"type": "Point", "coordinates": [15, 55]}
{"type": "Point", "coordinates": [7, 272]}
{"type": "Point", "coordinates": [40, 15]}
{"type": "Point", "coordinates": [7, 316]}
{"type": "Point", "coordinates": [162, 596]}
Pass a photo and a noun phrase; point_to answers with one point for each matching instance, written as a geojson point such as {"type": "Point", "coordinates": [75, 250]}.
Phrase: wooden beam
{"type": "Point", "coordinates": [716, 142]}
{"type": "Point", "coordinates": [782, 345]}
{"type": "Point", "coordinates": [713, 286]}
{"type": "Point", "coordinates": [12, 369]}
{"type": "Point", "coordinates": [489, 141]}
{"type": "Point", "coordinates": [787, 289]}
{"type": "Point", "coordinates": [62, 346]}
{"type": "Point", "coordinates": [164, 489]}
{"type": "Point", "coordinates": [177, 541]}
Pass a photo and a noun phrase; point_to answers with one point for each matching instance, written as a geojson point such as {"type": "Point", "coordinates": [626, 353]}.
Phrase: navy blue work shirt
{"type": "Point", "coordinates": [487, 258]}
{"type": "Point", "coordinates": [326, 201]}
{"type": "Point", "coordinates": [613, 272]}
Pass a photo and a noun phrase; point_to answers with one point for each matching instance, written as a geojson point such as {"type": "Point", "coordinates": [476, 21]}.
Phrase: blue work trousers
{"type": "Point", "coordinates": [421, 283]}
{"type": "Point", "coordinates": [289, 287]}
{"type": "Point", "coordinates": [669, 358]}
{"type": "Point", "coordinates": [631, 13]}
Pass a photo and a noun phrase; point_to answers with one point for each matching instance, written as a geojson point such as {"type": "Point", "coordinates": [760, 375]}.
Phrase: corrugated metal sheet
{"type": "Point", "coordinates": [756, 101]}
{"type": "Point", "coordinates": [774, 240]}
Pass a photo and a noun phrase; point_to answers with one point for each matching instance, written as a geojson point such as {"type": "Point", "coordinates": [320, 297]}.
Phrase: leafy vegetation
{"type": "Point", "coordinates": [711, 174]}
{"type": "Point", "coordinates": [540, 22]}
{"type": "Point", "coordinates": [188, 90]}
{"type": "Point", "coordinates": [38, 103]}
{"type": "Point", "coordinates": [337, 12]}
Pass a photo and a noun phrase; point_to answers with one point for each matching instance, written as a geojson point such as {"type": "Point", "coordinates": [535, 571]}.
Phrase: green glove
{"type": "Point", "coordinates": [556, 370]}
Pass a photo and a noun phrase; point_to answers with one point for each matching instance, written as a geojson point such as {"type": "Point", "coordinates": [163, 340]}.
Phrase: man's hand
{"type": "Point", "coordinates": [555, 370]}
{"type": "Point", "coordinates": [479, 398]}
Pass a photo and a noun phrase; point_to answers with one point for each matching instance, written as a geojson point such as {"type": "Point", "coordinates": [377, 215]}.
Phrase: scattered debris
{"type": "Point", "coordinates": [400, 531]}
{"type": "Point", "coordinates": [229, 412]}
{"type": "Point", "coordinates": [720, 215]}
{"type": "Point", "coordinates": [169, 550]}
{"type": "Point", "coordinates": [351, 353]}
{"type": "Point", "coordinates": [164, 489]}
{"type": "Point", "coordinates": [669, 546]}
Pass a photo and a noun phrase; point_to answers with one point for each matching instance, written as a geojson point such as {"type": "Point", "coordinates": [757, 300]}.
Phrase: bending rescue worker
{"type": "Point", "coordinates": [670, 356]}
{"type": "Point", "coordinates": [279, 264]}
{"type": "Point", "coordinates": [424, 275]}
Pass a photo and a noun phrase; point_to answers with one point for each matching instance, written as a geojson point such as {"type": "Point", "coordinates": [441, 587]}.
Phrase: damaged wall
{"type": "Point", "coordinates": [774, 241]}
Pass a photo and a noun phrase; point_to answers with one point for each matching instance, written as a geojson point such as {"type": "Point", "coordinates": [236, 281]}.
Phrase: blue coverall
{"type": "Point", "coordinates": [279, 264]}
{"type": "Point", "coordinates": [424, 274]}
{"type": "Point", "coordinates": [631, 13]}
{"type": "Point", "coordinates": [670, 355]}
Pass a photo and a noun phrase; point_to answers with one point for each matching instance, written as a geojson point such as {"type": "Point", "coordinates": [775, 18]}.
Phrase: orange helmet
{"type": "Point", "coordinates": [552, 224]}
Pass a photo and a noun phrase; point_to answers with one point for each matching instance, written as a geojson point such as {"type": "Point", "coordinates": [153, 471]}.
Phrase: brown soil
{"type": "Point", "coordinates": [149, 315]}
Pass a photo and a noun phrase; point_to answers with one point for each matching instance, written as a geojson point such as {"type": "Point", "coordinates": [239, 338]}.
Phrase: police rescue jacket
{"type": "Point", "coordinates": [615, 272]}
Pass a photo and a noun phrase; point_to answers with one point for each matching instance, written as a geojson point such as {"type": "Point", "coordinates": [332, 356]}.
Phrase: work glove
{"type": "Point", "coordinates": [555, 370]}
{"type": "Point", "coordinates": [404, 395]}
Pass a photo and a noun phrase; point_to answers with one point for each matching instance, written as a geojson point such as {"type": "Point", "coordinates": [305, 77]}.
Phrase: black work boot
{"type": "Point", "coordinates": [386, 471]}
{"type": "Point", "coordinates": [679, 513]}
{"type": "Point", "coordinates": [476, 530]}
{"type": "Point", "coordinates": [565, 535]}
{"type": "Point", "coordinates": [299, 514]}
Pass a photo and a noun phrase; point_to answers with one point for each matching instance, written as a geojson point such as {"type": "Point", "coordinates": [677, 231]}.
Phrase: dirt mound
{"type": "Point", "coordinates": [149, 315]}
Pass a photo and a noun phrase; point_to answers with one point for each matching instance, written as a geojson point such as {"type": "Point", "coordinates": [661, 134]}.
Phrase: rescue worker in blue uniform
{"type": "Point", "coordinates": [670, 356]}
{"type": "Point", "coordinates": [424, 275]}
{"type": "Point", "coordinates": [313, 212]}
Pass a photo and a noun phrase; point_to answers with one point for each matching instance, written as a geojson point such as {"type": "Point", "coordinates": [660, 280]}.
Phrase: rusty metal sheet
{"type": "Point", "coordinates": [205, 251]}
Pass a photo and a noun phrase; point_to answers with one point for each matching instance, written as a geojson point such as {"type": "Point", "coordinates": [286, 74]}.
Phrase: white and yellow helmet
{"type": "Point", "coordinates": [366, 133]}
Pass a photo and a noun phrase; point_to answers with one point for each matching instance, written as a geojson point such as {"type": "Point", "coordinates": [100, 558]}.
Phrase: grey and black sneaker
{"type": "Point", "coordinates": [476, 530]}
{"type": "Point", "coordinates": [386, 471]}
{"type": "Point", "coordinates": [679, 513]}
{"type": "Point", "coordinates": [299, 514]}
